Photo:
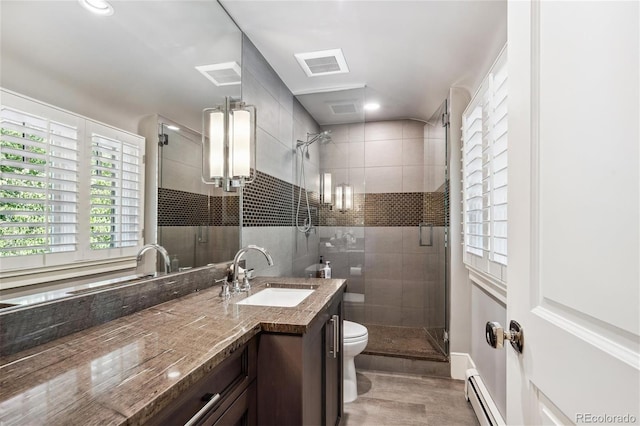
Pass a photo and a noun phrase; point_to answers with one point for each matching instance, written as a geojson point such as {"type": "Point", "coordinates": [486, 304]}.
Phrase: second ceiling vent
{"type": "Point", "coordinates": [323, 62]}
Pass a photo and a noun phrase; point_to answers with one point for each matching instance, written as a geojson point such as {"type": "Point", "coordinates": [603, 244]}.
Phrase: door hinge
{"type": "Point", "coordinates": [445, 119]}
{"type": "Point", "coordinates": [445, 336]}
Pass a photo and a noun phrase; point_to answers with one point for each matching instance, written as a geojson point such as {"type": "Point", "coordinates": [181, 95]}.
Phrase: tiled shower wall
{"type": "Point", "coordinates": [397, 171]}
{"type": "Point", "coordinates": [269, 203]}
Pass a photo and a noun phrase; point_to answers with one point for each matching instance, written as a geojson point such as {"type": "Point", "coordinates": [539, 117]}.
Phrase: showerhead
{"type": "Point", "coordinates": [322, 137]}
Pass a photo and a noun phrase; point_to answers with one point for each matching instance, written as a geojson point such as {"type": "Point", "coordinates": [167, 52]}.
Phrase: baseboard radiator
{"type": "Point", "coordinates": [482, 403]}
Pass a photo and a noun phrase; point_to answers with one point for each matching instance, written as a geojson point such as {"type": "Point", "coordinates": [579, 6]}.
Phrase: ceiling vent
{"type": "Point", "coordinates": [341, 109]}
{"type": "Point", "coordinates": [324, 62]}
{"type": "Point", "coordinates": [224, 74]}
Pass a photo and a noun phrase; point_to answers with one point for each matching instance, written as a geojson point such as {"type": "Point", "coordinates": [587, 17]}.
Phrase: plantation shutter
{"type": "Point", "coordinates": [484, 174]}
{"type": "Point", "coordinates": [475, 214]}
{"type": "Point", "coordinates": [71, 189]}
{"type": "Point", "coordinates": [498, 160]}
{"type": "Point", "coordinates": [115, 193]}
{"type": "Point", "coordinates": [38, 183]}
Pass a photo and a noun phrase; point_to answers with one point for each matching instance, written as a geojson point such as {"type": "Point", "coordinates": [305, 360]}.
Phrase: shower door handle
{"type": "Point", "coordinates": [424, 225]}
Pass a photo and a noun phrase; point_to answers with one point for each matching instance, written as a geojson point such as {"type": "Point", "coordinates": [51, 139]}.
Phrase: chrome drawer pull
{"type": "Point", "coordinates": [203, 411]}
{"type": "Point", "coordinates": [336, 335]}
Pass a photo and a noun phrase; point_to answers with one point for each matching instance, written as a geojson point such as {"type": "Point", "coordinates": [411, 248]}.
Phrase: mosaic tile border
{"type": "Point", "coordinates": [270, 201]}
{"type": "Point", "coordinates": [181, 208]}
{"type": "Point", "coordinates": [389, 209]}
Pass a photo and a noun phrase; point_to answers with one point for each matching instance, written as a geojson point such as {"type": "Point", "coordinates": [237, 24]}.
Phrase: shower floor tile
{"type": "Point", "coordinates": [402, 342]}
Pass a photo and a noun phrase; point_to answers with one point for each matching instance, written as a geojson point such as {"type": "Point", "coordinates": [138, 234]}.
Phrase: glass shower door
{"type": "Point", "coordinates": [437, 214]}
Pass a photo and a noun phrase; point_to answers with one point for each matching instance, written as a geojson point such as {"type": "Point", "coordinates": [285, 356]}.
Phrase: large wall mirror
{"type": "Point", "coordinates": [136, 70]}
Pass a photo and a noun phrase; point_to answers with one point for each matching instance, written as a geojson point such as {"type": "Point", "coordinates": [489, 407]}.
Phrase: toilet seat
{"type": "Point", "coordinates": [354, 332]}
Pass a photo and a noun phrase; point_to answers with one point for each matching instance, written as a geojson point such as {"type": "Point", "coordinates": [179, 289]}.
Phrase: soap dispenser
{"type": "Point", "coordinates": [327, 270]}
{"type": "Point", "coordinates": [320, 268]}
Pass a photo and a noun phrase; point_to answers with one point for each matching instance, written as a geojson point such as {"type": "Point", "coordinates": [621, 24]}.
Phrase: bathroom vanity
{"type": "Point", "coordinates": [163, 365]}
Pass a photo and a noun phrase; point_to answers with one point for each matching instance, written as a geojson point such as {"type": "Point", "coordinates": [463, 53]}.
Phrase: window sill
{"type": "Point", "coordinates": [25, 277]}
{"type": "Point", "coordinates": [491, 285]}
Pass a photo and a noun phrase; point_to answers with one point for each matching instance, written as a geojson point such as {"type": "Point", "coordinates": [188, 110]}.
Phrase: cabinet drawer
{"type": "Point", "coordinates": [242, 412]}
{"type": "Point", "coordinates": [229, 380]}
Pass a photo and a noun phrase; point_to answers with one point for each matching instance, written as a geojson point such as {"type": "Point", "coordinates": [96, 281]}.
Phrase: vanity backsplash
{"type": "Point", "coordinates": [30, 326]}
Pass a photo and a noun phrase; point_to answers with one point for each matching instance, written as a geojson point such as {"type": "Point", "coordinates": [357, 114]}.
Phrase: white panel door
{"type": "Point", "coordinates": [574, 218]}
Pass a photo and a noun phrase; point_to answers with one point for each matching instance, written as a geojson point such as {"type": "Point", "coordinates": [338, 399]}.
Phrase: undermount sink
{"type": "Point", "coordinates": [276, 296]}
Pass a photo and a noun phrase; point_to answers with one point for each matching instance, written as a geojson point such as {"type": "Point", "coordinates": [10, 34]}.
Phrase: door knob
{"type": "Point", "coordinates": [496, 335]}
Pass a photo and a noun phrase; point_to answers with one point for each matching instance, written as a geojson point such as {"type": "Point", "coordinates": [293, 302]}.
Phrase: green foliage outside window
{"type": "Point", "coordinates": [23, 199]}
{"type": "Point", "coordinates": [14, 189]}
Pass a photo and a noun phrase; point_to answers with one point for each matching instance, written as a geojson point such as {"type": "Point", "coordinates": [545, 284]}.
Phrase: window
{"type": "Point", "coordinates": [71, 189]}
{"type": "Point", "coordinates": [115, 192]}
{"type": "Point", "coordinates": [484, 174]}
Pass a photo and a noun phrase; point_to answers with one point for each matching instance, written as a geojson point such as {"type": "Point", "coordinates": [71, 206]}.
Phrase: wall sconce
{"type": "Point", "coordinates": [325, 188]}
{"type": "Point", "coordinates": [228, 144]}
{"type": "Point", "coordinates": [344, 197]}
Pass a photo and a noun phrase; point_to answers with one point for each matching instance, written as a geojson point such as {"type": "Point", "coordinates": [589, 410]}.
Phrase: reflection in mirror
{"type": "Point", "coordinates": [197, 223]}
{"type": "Point", "coordinates": [149, 59]}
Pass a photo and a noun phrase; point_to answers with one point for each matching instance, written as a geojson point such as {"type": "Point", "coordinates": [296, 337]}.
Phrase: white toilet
{"type": "Point", "coordinates": [355, 338]}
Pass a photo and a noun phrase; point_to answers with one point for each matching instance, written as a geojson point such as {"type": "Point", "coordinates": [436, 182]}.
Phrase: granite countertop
{"type": "Point", "coordinates": [126, 370]}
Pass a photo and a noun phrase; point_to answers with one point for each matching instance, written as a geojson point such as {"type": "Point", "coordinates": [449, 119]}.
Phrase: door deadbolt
{"type": "Point", "coordinates": [496, 335]}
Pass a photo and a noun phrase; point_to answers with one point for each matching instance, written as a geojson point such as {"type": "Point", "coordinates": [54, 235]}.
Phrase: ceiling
{"type": "Point", "coordinates": [407, 53]}
{"type": "Point", "coordinates": [118, 68]}
{"type": "Point", "coordinates": [403, 55]}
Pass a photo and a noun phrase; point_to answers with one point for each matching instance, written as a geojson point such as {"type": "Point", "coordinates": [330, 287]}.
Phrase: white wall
{"type": "Point", "coordinates": [460, 287]}
{"type": "Point", "coordinates": [471, 307]}
{"type": "Point", "coordinates": [490, 362]}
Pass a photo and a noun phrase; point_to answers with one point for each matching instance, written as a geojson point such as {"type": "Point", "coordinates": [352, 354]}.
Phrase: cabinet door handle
{"type": "Point", "coordinates": [336, 335]}
{"type": "Point", "coordinates": [332, 348]}
{"type": "Point", "coordinates": [203, 411]}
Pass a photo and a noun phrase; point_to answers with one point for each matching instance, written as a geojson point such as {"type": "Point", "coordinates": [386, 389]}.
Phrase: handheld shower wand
{"type": "Point", "coordinates": [322, 137]}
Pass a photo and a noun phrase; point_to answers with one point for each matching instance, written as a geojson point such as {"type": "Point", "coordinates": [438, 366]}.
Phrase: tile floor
{"type": "Point", "coordinates": [399, 399]}
{"type": "Point", "coordinates": [404, 342]}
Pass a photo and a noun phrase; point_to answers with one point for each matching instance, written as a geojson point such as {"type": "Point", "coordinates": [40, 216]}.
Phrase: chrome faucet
{"type": "Point", "coordinates": [245, 284]}
{"type": "Point", "coordinates": [159, 249]}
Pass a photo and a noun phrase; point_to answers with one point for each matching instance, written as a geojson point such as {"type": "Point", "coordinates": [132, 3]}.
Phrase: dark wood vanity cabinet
{"type": "Point", "coordinates": [300, 376]}
{"type": "Point", "coordinates": [225, 396]}
{"type": "Point", "coordinates": [275, 379]}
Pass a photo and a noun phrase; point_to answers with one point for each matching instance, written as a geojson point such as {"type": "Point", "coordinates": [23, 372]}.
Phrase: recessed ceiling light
{"type": "Point", "coordinates": [372, 106]}
{"type": "Point", "coordinates": [99, 7]}
{"type": "Point", "coordinates": [222, 74]}
{"type": "Point", "coordinates": [322, 62]}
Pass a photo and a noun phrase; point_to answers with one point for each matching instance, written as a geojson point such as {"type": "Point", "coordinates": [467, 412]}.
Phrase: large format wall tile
{"type": "Point", "coordinates": [383, 179]}
{"type": "Point", "coordinates": [382, 130]}
{"type": "Point", "coordinates": [383, 153]}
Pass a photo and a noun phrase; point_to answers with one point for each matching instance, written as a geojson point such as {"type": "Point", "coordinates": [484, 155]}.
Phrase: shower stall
{"type": "Point", "coordinates": [382, 221]}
